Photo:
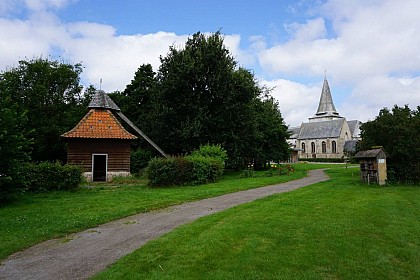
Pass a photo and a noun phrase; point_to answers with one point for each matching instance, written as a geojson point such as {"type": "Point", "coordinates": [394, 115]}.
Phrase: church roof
{"type": "Point", "coordinates": [324, 129]}
{"type": "Point", "coordinates": [294, 132]}
{"type": "Point", "coordinates": [354, 126]}
{"type": "Point", "coordinates": [103, 101]}
{"type": "Point", "coordinates": [350, 146]}
{"type": "Point", "coordinates": [99, 124]}
{"type": "Point", "coordinates": [326, 108]}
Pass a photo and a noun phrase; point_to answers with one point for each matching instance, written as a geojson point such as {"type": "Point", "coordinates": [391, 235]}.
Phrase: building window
{"type": "Point", "coordinates": [303, 148]}
{"type": "Point", "coordinates": [334, 147]}
{"type": "Point", "coordinates": [324, 147]}
{"type": "Point", "coordinates": [313, 147]}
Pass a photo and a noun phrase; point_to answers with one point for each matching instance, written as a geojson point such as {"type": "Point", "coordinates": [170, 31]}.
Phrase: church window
{"type": "Point", "coordinates": [334, 147]}
{"type": "Point", "coordinates": [313, 147]}
{"type": "Point", "coordinates": [303, 148]}
{"type": "Point", "coordinates": [324, 147]}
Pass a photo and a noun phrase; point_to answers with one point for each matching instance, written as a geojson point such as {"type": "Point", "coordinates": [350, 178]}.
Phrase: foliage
{"type": "Point", "coordinates": [48, 176]}
{"type": "Point", "coordinates": [214, 151]}
{"type": "Point", "coordinates": [139, 159]}
{"type": "Point", "coordinates": [204, 169]}
{"type": "Point", "coordinates": [49, 93]}
{"type": "Point", "coordinates": [140, 103]}
{"type": "Point", "coordinates": [176, 171]}
{"type": "Point", "coordinates": [14, 149]}
{"type": "Point", "coordinates": [199, 95]}
{"type": "Point", "coordinates": [398, 132]}
{"type": "Point", "coordinates": [333, 160]}
{"type": "Point", "coordinates": [168, 171]}
{"type": "Point", "coordinates": [338, 229]}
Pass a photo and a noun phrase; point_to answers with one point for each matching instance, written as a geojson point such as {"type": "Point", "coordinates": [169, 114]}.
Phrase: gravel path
{"type": "Point", "coordinates": [86, 253]}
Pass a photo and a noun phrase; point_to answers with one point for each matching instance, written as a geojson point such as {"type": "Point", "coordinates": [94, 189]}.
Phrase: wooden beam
{"type": "Point", "coordinates": [141, 133]}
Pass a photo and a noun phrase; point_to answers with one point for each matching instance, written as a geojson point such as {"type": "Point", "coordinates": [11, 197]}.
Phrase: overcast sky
{"type": "Point", "coordinates": [369, 48]}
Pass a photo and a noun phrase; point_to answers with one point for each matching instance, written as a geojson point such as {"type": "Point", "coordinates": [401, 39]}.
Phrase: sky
{"type": "Point", "coordinates": [369, 50]}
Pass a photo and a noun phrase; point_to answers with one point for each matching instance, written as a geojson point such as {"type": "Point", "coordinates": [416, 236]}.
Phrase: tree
{"type": "Point", "coordinates": [50, 94]}
{"type": "Point", "coordinates": [14, 149]}
{"type": "Point", "coordinates": [398, 131]}
{"type": "Point", "coordinates": [202, 97]}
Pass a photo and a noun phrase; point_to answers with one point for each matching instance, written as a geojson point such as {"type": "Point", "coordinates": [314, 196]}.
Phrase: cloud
{"type": "Point", "coordinates": [104, 55]}
{"type": "Point", "coordinates": [297, 101]}
{"type": "Point", "coordinates": [371, 48]}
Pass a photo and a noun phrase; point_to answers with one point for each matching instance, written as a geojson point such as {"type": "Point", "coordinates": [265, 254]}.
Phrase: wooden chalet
{"type": "Point", "coordinates": [99, 143]}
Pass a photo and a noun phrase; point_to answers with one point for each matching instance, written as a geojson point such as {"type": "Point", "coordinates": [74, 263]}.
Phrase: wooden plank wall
{"type": "Point", "coordinates": [80, 153]}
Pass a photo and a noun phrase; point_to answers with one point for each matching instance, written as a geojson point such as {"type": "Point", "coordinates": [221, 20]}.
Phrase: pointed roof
{"type": "Point", "coordinates": [326, 108]}
{"type": "Point", "coordinates": [99, 124]}
{"type": "Point", "coordinates": [103, 101]}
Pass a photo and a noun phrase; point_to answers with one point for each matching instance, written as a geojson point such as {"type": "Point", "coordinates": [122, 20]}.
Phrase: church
{"type": "Point", "coordinates": [326, 134]}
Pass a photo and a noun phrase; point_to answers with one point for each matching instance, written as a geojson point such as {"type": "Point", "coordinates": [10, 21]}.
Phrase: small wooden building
{"type": "Point", "coordinates": [99, 143]}
{"type": "Point", "coordinates": [372, 166]}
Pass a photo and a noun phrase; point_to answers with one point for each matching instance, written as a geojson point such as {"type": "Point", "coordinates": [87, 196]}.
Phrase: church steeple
{"type": "Point", "coordinates": [326, 109]}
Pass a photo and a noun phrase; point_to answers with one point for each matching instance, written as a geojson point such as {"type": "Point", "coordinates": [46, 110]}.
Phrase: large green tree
{"type": "Point", "coordinates": [199, 96]}
{"type": "Point", "coordinates": [14, 149]}
{"type": "Point", "coordinates": [50, 94]}
{"type": "Point", "coordinates": [398, 132]}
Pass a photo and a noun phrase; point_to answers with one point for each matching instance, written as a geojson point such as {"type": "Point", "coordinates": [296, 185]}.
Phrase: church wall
{"type": "Point", "coordinates": [318, 148]}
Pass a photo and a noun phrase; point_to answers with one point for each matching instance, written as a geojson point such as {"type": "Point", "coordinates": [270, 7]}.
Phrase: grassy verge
{"type": "Point", "coordinates": [38, 217]}
{"type": "Point", "coordinates": [337, 229]}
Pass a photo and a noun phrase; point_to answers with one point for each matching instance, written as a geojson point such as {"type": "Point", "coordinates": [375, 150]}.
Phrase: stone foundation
{"type": "Point", "coordinates": [109, 175]}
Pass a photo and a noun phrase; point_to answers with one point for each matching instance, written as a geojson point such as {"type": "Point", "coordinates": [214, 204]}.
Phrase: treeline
{"type": "Point", "coordinates": [398, 132]}
{"type": "Point", "coordinates": [198, 96]}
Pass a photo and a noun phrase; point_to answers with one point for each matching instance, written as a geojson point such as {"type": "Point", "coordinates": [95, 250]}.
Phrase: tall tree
{"type": "Point", "coordinates": [50, 94]}
{"type": "Point", "coordinates": [205, 98]}
{"type": "Point", "coordinates": [398, 131]}
{"type": "Point", "coordinates": [14, 148]}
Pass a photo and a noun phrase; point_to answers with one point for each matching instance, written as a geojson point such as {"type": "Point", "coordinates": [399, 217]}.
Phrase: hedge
{"type": "Point", "coordinates": [47, 176]}
{"type": "Point", "coordinates": [175, 171]}
{"type": "Point", "coordinates": [334, 160]}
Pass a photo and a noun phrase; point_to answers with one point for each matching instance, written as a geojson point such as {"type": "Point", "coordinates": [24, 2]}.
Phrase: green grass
{"type": "Point", "coordinates": [337, 229]}
{"type": "Point", "coordinates": [38, 217]}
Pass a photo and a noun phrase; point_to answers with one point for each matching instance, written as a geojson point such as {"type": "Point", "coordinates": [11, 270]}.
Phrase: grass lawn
{"type": "Point", "coordinates": [337, 229]}
{"type": "Point", "coordinates": [38, 217]}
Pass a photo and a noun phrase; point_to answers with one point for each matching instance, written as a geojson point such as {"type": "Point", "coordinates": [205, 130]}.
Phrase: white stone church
{"type": "Point", "coordinates": [327, 134]}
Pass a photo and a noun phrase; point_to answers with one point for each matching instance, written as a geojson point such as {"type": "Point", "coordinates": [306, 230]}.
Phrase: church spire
{"type": "Point", "coordinates": [326, 109]}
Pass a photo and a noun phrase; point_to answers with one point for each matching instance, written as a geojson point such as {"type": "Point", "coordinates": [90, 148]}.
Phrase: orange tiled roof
{"type": "Point", "coordinates": [99, 124]}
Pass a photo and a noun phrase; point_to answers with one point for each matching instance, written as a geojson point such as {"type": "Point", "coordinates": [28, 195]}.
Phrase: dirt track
{"type": "Point", "coordinates": [83, 254]}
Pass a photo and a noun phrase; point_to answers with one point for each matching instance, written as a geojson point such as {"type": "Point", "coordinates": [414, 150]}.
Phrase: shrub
{"type": "Point", "coordinates": [193, 169]}
{"type": "Point", "coordinates": [47, 176]}
{"type": "Point", "coordinates": [213, 151]}
{"type": "Point", "coordinates": [139, 160]}
{"type": "Point", "coordinates": [204, 169]}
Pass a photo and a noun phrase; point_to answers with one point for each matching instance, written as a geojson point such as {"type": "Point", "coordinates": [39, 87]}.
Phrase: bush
{"type": "Point", "coordinates": [204, 169]}
{"type": "Point", "coordinates": [12, 184]}
{"type": "Point", "coordinates": [139, 160]}
{"type": "Point", "coordinates": [47, 176]}
{"type": "Point", "coordinates": [213, 151]}
{"type": "Point", "coordinates": [194, 169]}
{"type": "Point", "coordinates": [168, 171]}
